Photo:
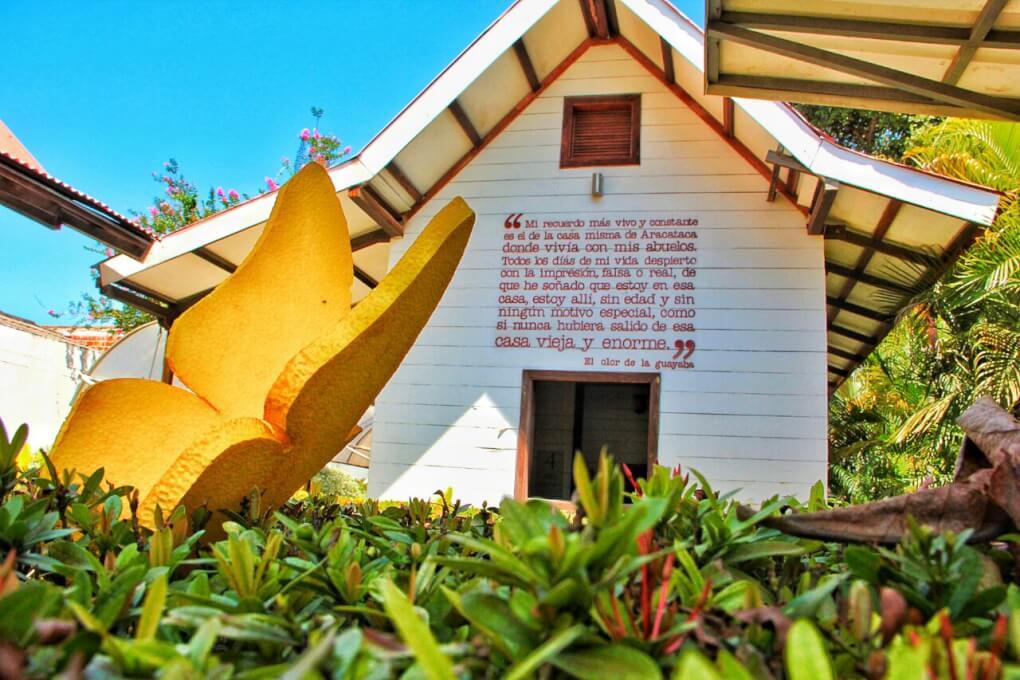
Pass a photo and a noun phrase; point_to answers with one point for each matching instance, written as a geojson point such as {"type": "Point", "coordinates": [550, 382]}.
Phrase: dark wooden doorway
{"type": "Point", "coordinates": [567, 411]}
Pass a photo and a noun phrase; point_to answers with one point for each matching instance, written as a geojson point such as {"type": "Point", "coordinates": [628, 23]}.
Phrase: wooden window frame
{"type": "Point", "coordinates": [526, 427]}
{"type": "Point", "coordinates": [595, 102]}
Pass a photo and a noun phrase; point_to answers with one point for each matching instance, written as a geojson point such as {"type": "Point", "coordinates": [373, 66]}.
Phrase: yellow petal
{"type": "Point", "coordinates": [293, 286]}
{"type": "Point", "coordinates": [324, 390]}
{"type": "Point", "coordinates": [218, 469]}
{"type": "Point", "coordinates": [135, 429]}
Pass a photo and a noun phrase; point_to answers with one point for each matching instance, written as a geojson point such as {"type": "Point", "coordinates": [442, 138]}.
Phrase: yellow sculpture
{"type": "Point", "coordinates": [280, 363]}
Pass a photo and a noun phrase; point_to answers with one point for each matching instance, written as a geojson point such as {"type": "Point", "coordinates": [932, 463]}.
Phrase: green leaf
{"type": "Point", "coordinates": [152, 609]}
{"type": "Point", "coordinates": [494, 617]}
{"type": "Point", "coordinates": [585, 492]}
{"type": "Point", "coordinates": [906, 662]}
{"type": "Point", "coordinates": [621, 536]}
{"type": "Point", "coordinates": [731, 668]}
{"type": "Point", "coordinates": [694, 666]}
{"type": "Point", "coordinates": [615, 660]}
{"type": "Point", "coordinates": [805, 655]}
{"type": "Point", "coordinates": [544, 653]}
{"type": "Point", "coordinates": [19, 610]}
{"type": "Point", "coordinates": [415, 633]}
{"type": "Point", "coordinates": [864, 563]}
{"type": "Point", "coordinates": [760, 549]}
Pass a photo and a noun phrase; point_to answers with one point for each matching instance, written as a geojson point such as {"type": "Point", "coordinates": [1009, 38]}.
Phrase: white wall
{"type": "Point", "coordinates": [38, 379]}
{"type": "Point", "coordinates": [751, 414]}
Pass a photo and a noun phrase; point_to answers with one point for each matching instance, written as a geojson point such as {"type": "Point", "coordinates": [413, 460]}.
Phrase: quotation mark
{"type": "Point", "coordinates": [684, 346]}
{"type": "Point", "coordinates": [513, 221]}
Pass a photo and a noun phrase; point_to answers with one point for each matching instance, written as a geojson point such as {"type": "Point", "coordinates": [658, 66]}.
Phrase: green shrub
{"type": "Point", "coordinates": [662, 580]}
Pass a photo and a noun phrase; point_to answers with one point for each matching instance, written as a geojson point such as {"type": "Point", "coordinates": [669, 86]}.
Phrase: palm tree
{"type": "Point", "coordinates": [893, 423]}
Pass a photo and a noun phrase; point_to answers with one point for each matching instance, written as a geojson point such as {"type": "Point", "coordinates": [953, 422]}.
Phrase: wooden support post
{"type": "Point", "coordinates": [727, 117]}
{"type": "Point", "coordinates": [825, 196]}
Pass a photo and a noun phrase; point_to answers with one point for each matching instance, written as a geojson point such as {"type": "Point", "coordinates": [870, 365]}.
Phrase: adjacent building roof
{"type": "Point", "coordinates": [28, 189]}
{"type": "Point", "coordinates": [942, 57]}
{"type": "Point", "coordinates": [889, 229]}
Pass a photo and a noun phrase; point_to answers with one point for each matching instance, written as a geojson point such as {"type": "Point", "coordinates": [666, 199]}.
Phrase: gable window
{"type": "Point", "coordinates": [601, 130]}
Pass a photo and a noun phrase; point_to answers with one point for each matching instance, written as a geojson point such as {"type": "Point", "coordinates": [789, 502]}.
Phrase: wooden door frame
{"type": "Point", "coordinates": [526, 426]}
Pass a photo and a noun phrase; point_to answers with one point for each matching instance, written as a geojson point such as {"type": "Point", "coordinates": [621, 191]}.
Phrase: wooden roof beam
{"type": "Point", "coordinates": [872, 30]}
{"type": "Point", "coordinates": [853, 335]}
{"type": "Point", "coordinates": [214, 259]}
{"type": "Point", "coordinates": [596, 18]}
{"type": "Point", "coordinates": [133, 299]}
{"type": "Point", "coordinates": [843, 354]}
{"type": "Point", "coordinates": [841, 372]}
{"type": "Point", "coordinates": [908, 82]}
{"type": "Point", "coordinates": [667, 60]}
{"type": "Point", "coordinates": [524, 59]}
{"type": "Point", "coordinates": [860, 277]}
{"type": "Point", "coordinates": [961, 60]}
{"type": "Point", "coordinates": [465, 123]}
{"type": "Point", "coordinates": [404, 181]}
{"type": "Point", "coordinates": [728, 114]}
{"type": "Point", "coordinates": [857, 309]}
{"type": "Point", "coordinates": [369, 238]}
{"type": "Point", "coordinates": [378, 209]}
{"type": "Point", "coordinates": [821, 206]}
{"type": "Point", "coordinates": [430, 193]}
{"type": "Point", "coordinates": [839, 232]}
{"type": "Point", "coordinates": [366, 278]}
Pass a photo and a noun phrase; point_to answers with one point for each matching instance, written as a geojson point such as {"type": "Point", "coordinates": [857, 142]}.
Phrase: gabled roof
{"type": "Point", "coordinates": [883, 221]}
{"type": "Point", "coordinates": [941, 57]}
{"type": "Point", "coordinates": [28, 189]}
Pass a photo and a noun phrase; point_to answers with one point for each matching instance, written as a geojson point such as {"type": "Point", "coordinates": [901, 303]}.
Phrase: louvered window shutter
{"type": "Point", "coordinates": [601, 131]}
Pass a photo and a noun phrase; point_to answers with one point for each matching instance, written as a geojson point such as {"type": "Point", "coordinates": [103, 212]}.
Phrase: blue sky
{"type": "Point", "coordinates": [102, 93]}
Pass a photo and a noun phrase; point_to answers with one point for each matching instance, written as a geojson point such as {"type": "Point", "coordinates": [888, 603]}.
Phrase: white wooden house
{"type": "Point", "coordinates": [681, 277]}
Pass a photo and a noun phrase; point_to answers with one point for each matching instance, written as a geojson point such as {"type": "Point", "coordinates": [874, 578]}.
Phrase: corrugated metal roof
{"type": "Point", "coordinates": [942, 57]}
{"type": "Point", "coordinates": [39, 195]}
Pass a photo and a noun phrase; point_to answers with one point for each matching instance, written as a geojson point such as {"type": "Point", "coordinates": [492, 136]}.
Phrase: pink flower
{"type": "Point", "coordinates": [153, 211]}
{"type": "Point", "coordinates": [233, 195]}
{"type": "Point", "coordinates": [169, 191]}
{"type": "Point", "coordinates": [108, 252]}
{"type": "Point", "coordinates": [220, 192]}
{"type": "Point", "coordinates": [315, 133]}
{"type": "Point", "coordinates": [347, 150]}
{"type": "Point", "coordinates": [304, 135]}
{"type": "Point", "coordinates": [52, 313]}
{"type": "Point", "coordinates": [273, 186]}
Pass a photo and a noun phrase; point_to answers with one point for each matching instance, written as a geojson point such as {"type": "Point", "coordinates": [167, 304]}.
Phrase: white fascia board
{"type": "Point", "coordinates": [451, 83]}
{"type": "Point", "coordinates": [212, 229]}
{"type": "Point", "coordinates": [217, 227]}
{"type": "Point", "coordinates": [820, 155]}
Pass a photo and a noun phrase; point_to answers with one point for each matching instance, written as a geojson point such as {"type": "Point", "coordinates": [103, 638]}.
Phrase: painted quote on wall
{"type": "Point", "coordinates": [618, 286]}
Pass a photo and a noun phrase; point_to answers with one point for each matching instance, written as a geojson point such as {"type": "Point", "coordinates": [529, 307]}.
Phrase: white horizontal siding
{"type": "Point", "coordinates": [750, 415]}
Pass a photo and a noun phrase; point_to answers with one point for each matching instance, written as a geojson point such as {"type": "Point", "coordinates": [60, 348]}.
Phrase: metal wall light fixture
{"type": "Point", "coordinates": [597, 184]}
